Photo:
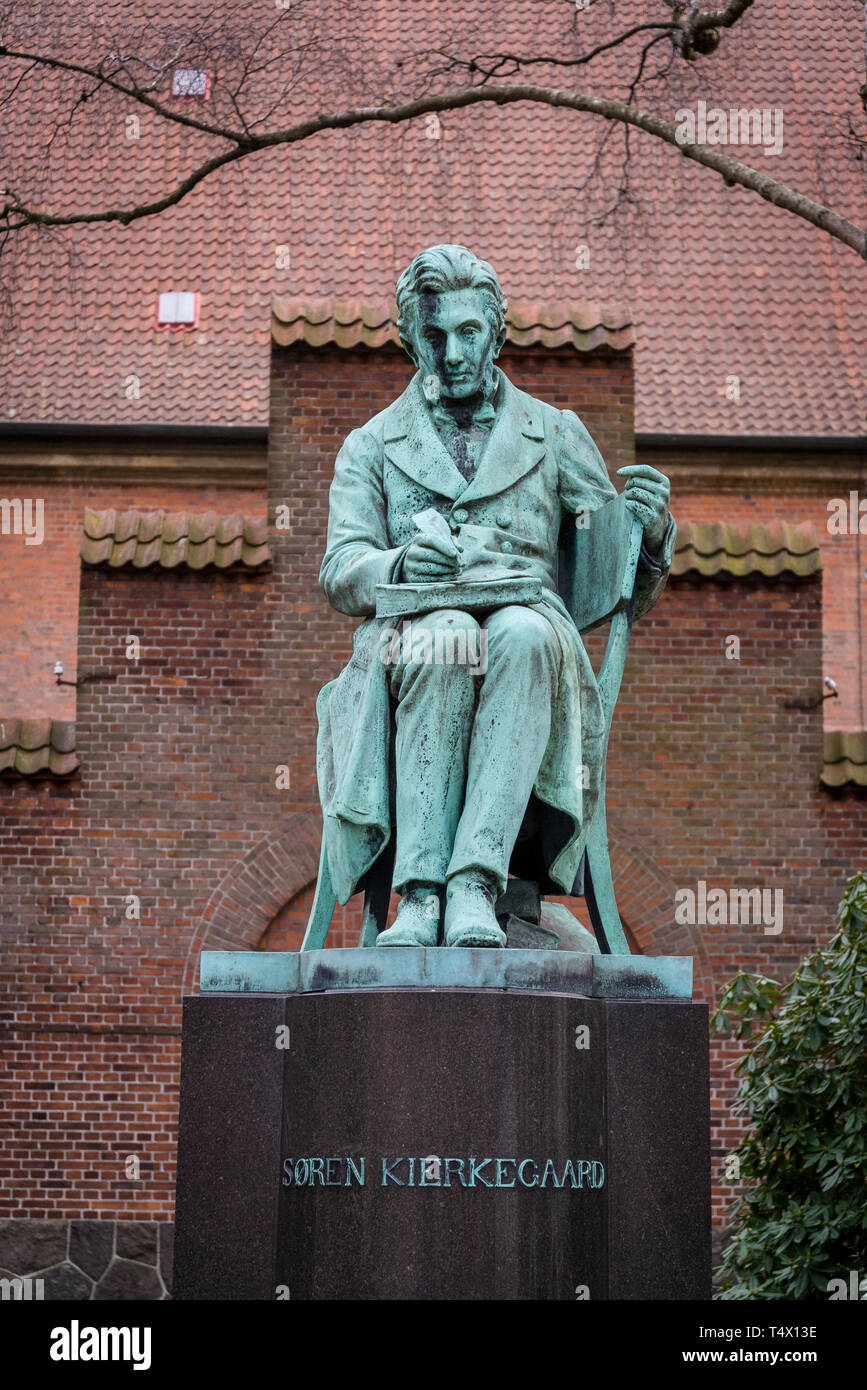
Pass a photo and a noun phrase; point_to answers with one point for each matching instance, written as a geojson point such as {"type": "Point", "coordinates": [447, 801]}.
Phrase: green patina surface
{"type": "Point", "coordinates": [558, 972]}
{"type": "Point", "coordinates": [497, 756]}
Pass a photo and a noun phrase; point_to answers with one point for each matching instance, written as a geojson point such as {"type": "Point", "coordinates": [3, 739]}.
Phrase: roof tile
{"type": "Point", "coordinates": [719, 549]}
{"type": "Point", "coordinates": [721, 284]}
{"type": "Point", "coordinates": [30, 747]}
{"type": "Point", "coordinates": [845, 758]}
{"type": "Point", "coordinates": [171, 539]}
{"type": "Point", "coordinates": [321, 322]}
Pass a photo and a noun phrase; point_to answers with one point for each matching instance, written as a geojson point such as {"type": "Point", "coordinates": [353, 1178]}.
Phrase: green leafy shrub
{"type": "Point", "coordinates": [802, 1220]}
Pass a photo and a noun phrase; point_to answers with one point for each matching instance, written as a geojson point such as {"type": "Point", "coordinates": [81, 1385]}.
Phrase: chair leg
{"type": "Point", "coordinates": [322, 911]}
{"type": "Point", "coordinates": [377, 895]}
{"type": "Point", "coordinates": [599, 888]}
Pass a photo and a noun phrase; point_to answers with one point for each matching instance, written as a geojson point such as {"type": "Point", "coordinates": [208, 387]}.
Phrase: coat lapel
{"type": "Point", "coordinates": [411, 442]}
{"type": "Point", "coordinates": [516, 445]}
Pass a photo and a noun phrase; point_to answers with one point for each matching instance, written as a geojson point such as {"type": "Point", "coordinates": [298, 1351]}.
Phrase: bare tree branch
{"type": "Point", "coordinates": [490, 64]}
{"type": "Point", "coordinates": [693, 37]}
{"type": "Point", "coordinates": [691, 31]}
{"type": "Point", "coordinates": [732, 170]}
{"type": "Point", "coordinates": [134, 91]}
{"type": "Point", "coordinates": [699, 31]}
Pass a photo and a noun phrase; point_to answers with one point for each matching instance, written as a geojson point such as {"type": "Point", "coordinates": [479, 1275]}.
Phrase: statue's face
{"type": "Point", "coordinates": [454, 340]}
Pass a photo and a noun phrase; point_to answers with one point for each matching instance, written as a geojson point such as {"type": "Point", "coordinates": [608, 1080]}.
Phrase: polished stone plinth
{"type": "Point", "coordinates": [445, 967]}
{"type": "Point", "coordinates": [431, 1143]}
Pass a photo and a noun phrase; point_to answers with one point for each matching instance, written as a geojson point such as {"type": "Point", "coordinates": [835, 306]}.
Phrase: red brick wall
{"type": "Point", "coordinates": [716, 780]}
{"type": "Point", "coordinates": [176, 800]}
{"type": "Point", "coordinates": [844, 558]}
{"type": "Point", "coordinates": [39, 583]}
{"type": "Point", "coordinates": [159, 797]}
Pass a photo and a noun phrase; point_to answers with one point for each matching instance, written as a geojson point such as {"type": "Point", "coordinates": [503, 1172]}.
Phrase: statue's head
{"type": "Point", "coordinates": [451, 318]}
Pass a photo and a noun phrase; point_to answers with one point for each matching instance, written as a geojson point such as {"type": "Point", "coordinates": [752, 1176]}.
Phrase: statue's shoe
{"type": "Point", "coordinates": [470, 919]}
{"type": "Point", "coordinates": [413, 925]}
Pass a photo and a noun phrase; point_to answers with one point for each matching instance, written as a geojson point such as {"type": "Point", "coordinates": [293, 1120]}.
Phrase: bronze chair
{"type": "Point", "coordinates": [608, 550]}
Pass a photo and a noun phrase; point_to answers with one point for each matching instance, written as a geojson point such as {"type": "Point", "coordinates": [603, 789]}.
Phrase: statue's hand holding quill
{"type": "Point", "coordinates": [435, 554]}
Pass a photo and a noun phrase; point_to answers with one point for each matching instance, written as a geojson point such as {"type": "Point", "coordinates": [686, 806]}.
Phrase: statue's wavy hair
{"type": "Point", "coordinates": [442, 268]}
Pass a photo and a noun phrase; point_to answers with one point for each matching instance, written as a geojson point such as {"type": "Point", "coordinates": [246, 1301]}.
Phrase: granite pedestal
{"type": "Point", "coordinates": [419, 1142]}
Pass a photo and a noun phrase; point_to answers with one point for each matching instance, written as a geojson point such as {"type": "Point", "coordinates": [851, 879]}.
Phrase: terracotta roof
{"type": "Point", "coordinates": [372, 323]}
{"type": "Point", "coordinates": [845, 758]}
{"type": "Point", "coordinates": [719, 283]}
{"type": "Point", "coordinates": [717, 549]}
{"type": "Point", "coordinates": [30, 747]}
{"type": "Point", "coordinates": [173, 538]}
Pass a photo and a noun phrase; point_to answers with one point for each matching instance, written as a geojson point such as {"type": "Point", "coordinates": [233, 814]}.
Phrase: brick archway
{"type": "Point", "coordinates": [285, 861]}
{"type": "Point", "coordinates": [255, 888]}
{"type": "Point", "coordinates": [645, 897]}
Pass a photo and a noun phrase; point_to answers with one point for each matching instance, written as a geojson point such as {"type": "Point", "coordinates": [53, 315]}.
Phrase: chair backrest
{"type": "Point", "coordinates": [597, 564]}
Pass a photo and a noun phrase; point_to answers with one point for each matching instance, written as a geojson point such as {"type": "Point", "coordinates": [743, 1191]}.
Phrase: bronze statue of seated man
{"type": "Point", "coordinates": [464, 482]}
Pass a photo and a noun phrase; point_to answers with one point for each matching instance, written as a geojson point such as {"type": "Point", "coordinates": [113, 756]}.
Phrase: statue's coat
{"type": "Point", "coordinates": [539, 466]}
